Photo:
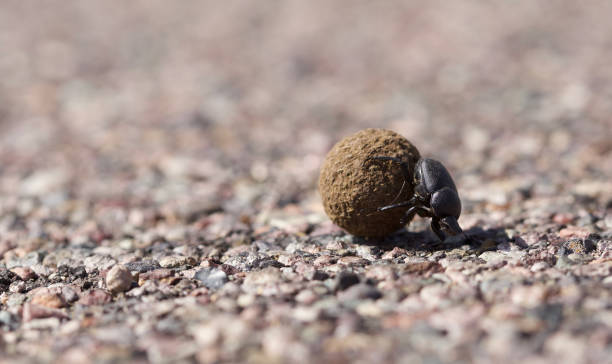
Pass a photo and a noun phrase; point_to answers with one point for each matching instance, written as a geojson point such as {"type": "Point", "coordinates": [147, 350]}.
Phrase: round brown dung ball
{"type": "Point", "coordinates": [353, 187]}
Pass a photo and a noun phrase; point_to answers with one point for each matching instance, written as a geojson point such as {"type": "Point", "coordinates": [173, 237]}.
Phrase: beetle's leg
{"type": "Point", "coordinates": [394, 206]}
{"type": "Point", "coordinates": [435, 226]}
{"type": "Point", "coordinates": [414, 202]}
{"type": "Point", "coordinates": [409, 215]}
{"type": "Point", "coordinates": [421, 211]}
{"type": "Point", "coordinates": [405, 167]}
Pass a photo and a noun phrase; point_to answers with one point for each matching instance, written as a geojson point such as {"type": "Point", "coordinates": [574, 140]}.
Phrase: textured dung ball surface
{"type": "Point", "coordinates": [353, 188]}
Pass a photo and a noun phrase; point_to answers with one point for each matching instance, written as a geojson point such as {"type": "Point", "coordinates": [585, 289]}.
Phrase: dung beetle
{"type": "Point", "coordinates": [435, 195]}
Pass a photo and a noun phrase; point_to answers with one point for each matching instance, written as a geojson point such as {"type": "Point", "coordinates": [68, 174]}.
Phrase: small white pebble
{"type": "Point", "coordinates": [539, 266]}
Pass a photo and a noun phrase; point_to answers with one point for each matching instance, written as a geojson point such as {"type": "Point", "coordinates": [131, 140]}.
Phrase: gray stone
{"type": "Point", "coordinates": [9, 320]}
{"type": "Point", "coordinates": [142, 266]}
{"type": "Point", "coordinates": [28, 260]}
{"type": "Point", "coordinates": [98, 262]}
{"type": "Point", "coordinates": [211, 278]}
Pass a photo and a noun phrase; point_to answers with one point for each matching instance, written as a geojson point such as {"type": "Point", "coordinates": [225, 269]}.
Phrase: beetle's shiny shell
{"type": "Point", "coordinates": [352, 188]}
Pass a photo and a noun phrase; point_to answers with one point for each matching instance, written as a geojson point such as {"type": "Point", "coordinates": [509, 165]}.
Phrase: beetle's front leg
{"type": "Point", "coordinates": [410, 202]}
{"type": "Point", "coordinates": [421, 211]}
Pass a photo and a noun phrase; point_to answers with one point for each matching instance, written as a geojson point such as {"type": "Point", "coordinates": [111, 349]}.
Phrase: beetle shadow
{"type": "Point", "coordinates": [477, 238]}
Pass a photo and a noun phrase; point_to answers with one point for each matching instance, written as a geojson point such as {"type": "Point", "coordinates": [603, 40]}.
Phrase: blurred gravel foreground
{"type": "Point", "coordinates": [159, 162]}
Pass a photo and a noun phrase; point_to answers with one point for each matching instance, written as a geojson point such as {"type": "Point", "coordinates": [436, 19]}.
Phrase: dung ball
{"type": "Point", "coordinates": [353, 187]}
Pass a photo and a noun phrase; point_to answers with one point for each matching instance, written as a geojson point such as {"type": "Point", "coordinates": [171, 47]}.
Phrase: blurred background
{"type": "Point", "coordinates": [199, 106]}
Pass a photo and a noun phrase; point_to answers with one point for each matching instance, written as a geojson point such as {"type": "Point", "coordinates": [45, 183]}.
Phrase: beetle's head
{"type": "Point", "coordinates": [446, 206]}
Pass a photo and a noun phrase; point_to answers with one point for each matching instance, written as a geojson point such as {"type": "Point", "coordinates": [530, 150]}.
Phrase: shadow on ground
{"type": "Point", "coordinates": [478, 239]}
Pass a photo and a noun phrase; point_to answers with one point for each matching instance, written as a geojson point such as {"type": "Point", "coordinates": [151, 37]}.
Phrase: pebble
{"type": "Point", "coordinates": [579, 246]}
{"type": "Point", "coordinates": [48, 323]}
{"type": "Point", "coordinates": [423, 267]}
{"type": "Point", "coordinates": [142, 266]}
{"type": "Point", "coordinates": [245, 300]}
{"type": "Point", "coordinates": [15, 300]}
{"type": "Point", "coordinates": [539, 266]}
{"type": "Point", "coordinates": [45, 297]}
{"type": "Point", "coordinates": [118, 279]}
{"type": "Point", "coordinates": [95, 297]}
{"type": "Point", "coordinates": [212, 278]}
{"type": "Point", "coordinates": [17, 287]}
{"type": "Point", "coordinates": [335, 245]}
{"type": "Point", "coordinates": [324, 260]}
{"type": "Point", "coordinates": [380, 273]}
{"type": "Point", "coordinates": [32, 311]}
{"type": "Point", "coordinates": [369, 309]}
{"type": "Point", "coordinates": [157, 274]}
{"type": "Point", "coordinates": [175, 261]}
{"type": "Point", "coordinates": [309, 272]}
{"type": "Point", "coordinates": [351, 261]}
{"type": "Point", "coordinates": [265, 282]}
{"type": "Point", "coordinates": [367, 252]}
{"type": "Point", "coordinates": [8, 320]}
{"type": "Point", "coordinates": [563, 261]}
{"type": "Point", "coordinates": [98, 263]}
{"type": "Point", "coordinates": [394, 253]}
{"type": "Point", "coordinates": [492, 257]}
{"type": "Point", "coordinates": [306, 314]}
{"type": "Point", "coordinates": [41, 270]}
{"type": "Point", "coordinates": [306, 297]}
{"type": "Point", "coordinates": [574, 232]}
{"type": "Point", "coordinates": [28, 260]}
{"type": "Point", "coordinates": [25, 273]}
{"type": "Point", "coordinates": [563, 218]}
{"type": "Point", "coordinates": [69, 294]}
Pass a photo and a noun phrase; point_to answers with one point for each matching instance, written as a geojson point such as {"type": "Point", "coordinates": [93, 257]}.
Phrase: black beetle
{"type": "Point", "coordinates": [435, 195]}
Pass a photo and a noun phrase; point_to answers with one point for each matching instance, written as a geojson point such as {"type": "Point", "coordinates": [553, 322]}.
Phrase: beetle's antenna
{"type": "Point", "coordinates": [399, 194]}
{"type": "Point", "coordinates": [405, 166]}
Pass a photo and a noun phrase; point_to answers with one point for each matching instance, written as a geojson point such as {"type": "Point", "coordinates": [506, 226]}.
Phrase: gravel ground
{"type": "Point", "coordinates": [158, 169]}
